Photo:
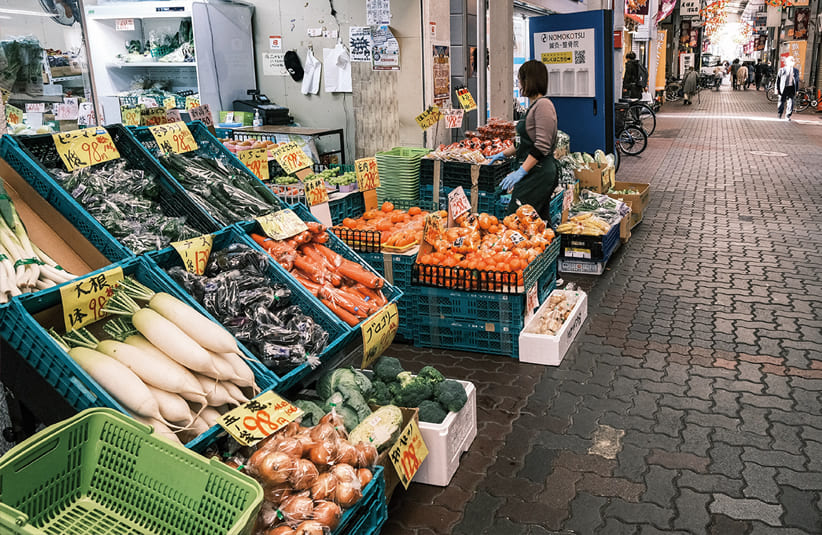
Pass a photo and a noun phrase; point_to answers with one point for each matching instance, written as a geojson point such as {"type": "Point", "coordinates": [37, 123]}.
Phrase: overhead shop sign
{"type": "Point", "coordinates": [689, 8]}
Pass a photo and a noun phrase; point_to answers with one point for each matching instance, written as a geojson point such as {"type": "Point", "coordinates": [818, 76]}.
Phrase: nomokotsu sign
{"type": "Point", "coordinates": [570, 57]}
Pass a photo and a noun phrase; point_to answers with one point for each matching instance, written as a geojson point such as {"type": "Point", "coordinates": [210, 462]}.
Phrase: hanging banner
{"type": "Point", "coordinates": [797, 50]}
{"type": "Point", "coordinates": [689, 8]}
{"type": "Point", "coordinates": [666, 7]}
{"type": "Point", "coordinates": [661, 64]}
{"type": "Point", "coordinates": [636, 7]}
{"type": "Point", "coordinates": [801, 16]}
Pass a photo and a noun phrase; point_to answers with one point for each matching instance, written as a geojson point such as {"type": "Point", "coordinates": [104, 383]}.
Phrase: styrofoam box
{"type": "Point", "coordinates": [580, 266]}
{"type": "Point", "coordinates": [550, 350]}
{"type": "Point", "coordinates": [446, 441]}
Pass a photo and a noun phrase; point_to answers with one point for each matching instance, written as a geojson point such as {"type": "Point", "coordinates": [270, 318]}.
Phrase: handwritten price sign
{"type": "Point", "coordinates": [315, 191]}
{"type": "Point", "coordinates": [429, 117]}
{"type": "Point", "coordinates": [194, 252]}
{"type": "Point", "coordinates": [256, 160]}
{"type": "Point", "coordinates": [173, 137]}
{"type": "Point", "coordinates": [408, 453]}
{"type": "Point", "coordinates": [291, 158]}
{"type": "Point", "coordinates": [131, 116]}
{"type": "Point", "coordinates": [466, 100]}
{"type": "Point", "coordinates": [169, 103]}
{"type": "Point", "coordinates": [378, 332]}
{"type": "Point", "coordinates": [282, 225]}
{"type": "Point", "coordinates": [192, 102]}
{"type": "Point", "coordinates": [203, 114]}
{"type": "Point", "coordinates": [153, 116]}
{"type": "Point", "coordinates": [14, 115]}
{"type": "Point", "coordinates": [453, 118]}
{"type": "Point", "coordinates": [458, 203]}
{"type": "Point", "coordinates": [83, 148]}
{"type": "Point", "coordinates": [84, 300]}
{"type": "Point", "coordinates": [368, 176]}
{"type": "Point", "coordinates": [260, 417]}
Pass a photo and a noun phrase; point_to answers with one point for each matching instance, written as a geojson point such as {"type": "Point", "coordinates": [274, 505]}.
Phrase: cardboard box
{"type": "Point", "coordinates": [598, 178]}
{"type": "Point", "coordinates": [638, 202]}
{"type": "Point", "coordinates": [390, 473]}
{"type": "Point", "coordinates": [550, 350]}
{"type": "Point", "coordinates": [625, 225]}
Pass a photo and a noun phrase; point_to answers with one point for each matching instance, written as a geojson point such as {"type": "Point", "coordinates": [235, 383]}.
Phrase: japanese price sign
{"type": "Point", "coordinates": [131, 116]}
{"type": "Point", "coordinates": [458, 203]}
{"type": "Point", "coordinates": [82, 148]}
{"type": "Point", "coordinates": [83, 300]}
{"type": "Point", "coordinates": [291, 158]}
{"type": "Point", "coordinates": [169, 103]}
{"type": "Point", "coordinates": [453, 118]}
{"type": "Point", "coordinates": [466, 100]}
{"type": "Point", "coordinates": [256, 160]}
{"type": "Point", "coordinates": [14, 115]}
{"type": "Point", "coordinates": [315, 191]}
{"type": "Point", "coordinates": [124, 25]}
{"type": "Point", "coordinates": [202, 113]}
{"type": "Point", "coordinates": [408, 453]}
{"type": "Point", "coordinates": [192, 102]}
{"type": "Point", "coordinates": [433, 228]}
{"type": "Point", "coordinates": [4, 95]}
{"type": "Point", "coordinates": [368, 176]}
{"type": "Point", "coordinates": [194, 252]}
{"type": "Point", "coordinates": [173, 137]}
{"type": "Point", "coordinates": [429, 117]}
{"type": "Point", "coordinates": [282, 225]}
{"type": "Point", "coordinates": [378, 332]}
{"type": "Point", "coordinates": [260, 417]}
{"type": "Point", "coordinates": [153, 116]}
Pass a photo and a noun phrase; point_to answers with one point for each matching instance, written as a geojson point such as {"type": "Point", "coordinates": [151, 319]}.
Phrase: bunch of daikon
{"type": "Point", "coordinates": [24, 267]}
{"type": "Point", "coordinates": [167, 364]}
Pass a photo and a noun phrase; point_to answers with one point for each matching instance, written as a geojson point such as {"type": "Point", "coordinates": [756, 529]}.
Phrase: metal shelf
{"type": "Point", "coordinates": [153, 64]}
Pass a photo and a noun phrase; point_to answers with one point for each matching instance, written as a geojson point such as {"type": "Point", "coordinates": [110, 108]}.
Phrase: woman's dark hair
{"type": "Point", "coordinates": [630, 55]}
{"type": "Point", "coordinates": [533, 77]}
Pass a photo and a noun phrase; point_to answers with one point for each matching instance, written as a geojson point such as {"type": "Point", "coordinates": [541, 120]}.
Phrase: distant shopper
{"type": "Point", "coordinates": [759, 73]}
{"type": "Point", "coordinates": [631, 86]}
{"type": "Point", "coordinates": [689, 85]}
{"type": "Point", "coordinates": [734, 68]}
{"type": "Point", "coordinates": [787, 80]}
{"type": "Point", "coordinates": [742, 77]}
{"type": "Point", "coordinates": [538, 173]}
{"type": "Point", "coordinates": [719, 71]}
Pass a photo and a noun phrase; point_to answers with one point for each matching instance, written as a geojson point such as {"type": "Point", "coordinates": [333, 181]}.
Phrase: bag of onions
{"type": "Point", "coordinates": [309, 476]}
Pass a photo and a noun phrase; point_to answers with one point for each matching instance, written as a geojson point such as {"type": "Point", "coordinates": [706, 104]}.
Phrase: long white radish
{"type": "Point", "coordinates": [199, 426]}
{"type": "Point", "coordinates": [235, 392]}
{"type": "Point", "coordinates": [173, 377]}
{"type": "Point", "coordinates": [242, 370]}
{"type": "Point", "coordinates": [160, 429]}
{"type": "Point", "coordinates": [202, 330]}
{"type": "Point", "coordinates": [169, 339]}
{"type": "Point", "coordinates": [210, 415]}
{"type": "Point", "coordinates": [216, 393]}
{"type": "Point", "coordinates": [172, 407]}
{"type": "Point", "coordinates": [225, 371]}
{"type": "Point", "coordinates": [122, 383]}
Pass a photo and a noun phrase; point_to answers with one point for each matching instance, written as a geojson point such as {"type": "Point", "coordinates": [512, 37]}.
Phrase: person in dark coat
{"type": "Point", "coordinates": [689, 85]}
{"type": "Point", "coordinates": [759, 72]}
{"type": "Point", "coordinates": [630, 81]}
{"type": "Point", "coordinates": [734, 68]}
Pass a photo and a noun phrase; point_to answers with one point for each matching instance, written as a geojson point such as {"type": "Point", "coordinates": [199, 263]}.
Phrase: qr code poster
{"type": "Point", "coordinates": [570, 57]}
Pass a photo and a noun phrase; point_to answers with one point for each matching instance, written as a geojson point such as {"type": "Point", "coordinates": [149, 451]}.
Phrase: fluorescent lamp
{"type": "Point", "coordinates": [24, 12]}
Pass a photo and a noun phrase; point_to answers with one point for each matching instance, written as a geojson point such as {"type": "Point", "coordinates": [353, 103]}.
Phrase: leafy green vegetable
{"type": "Point", "coordinates": [380, 429]}
{"type": "Point", "coordinates": [349, 416]}
{"type": "Point", "coordinates": [312, 412]}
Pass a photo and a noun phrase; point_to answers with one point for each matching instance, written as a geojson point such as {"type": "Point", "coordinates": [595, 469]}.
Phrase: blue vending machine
{"type": "Point", "coordinates": [577, 49]}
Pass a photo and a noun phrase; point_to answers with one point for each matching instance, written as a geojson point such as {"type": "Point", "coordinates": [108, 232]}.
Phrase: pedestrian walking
{"type": "Point", "coordinates": [787, 80]}
{"type": "Point", "coordinates": [631, 86]}
{"type": "Point", "coordinates": [742, 77]}
{"type": "Point", "coordinates": [734, 68]}
{"type": "Point", "coordinates": [718, 73]}
{"type": "Point", "coordinates": [751, 74]}
{"type": "Point", "coordinates": [759, 72]}
{"type": "Point", "coordinates": [689, 85]}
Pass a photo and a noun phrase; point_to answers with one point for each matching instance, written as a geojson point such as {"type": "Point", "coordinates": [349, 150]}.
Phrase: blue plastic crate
{"type": "Point", "coordinates": [209, 147]}
{"type": "Point", "coordinates": [478, 338]}
{"type": "Point", "coordinates": [488, 202]}
{"type": "Point", "coordinates": [370, 513]}
{"type": "Point", "coordinates": [555, 209]}
{"type": "Point", "coordinates": [590, 248]}
{"type": "Point", "coordinates": [20, 327]}
{"type": "Point", "coordinates": [32, 156]}
{"type": "Point", "coordinates": [168, 258]}
{"type": "Point", "coordinates": [352, 205]}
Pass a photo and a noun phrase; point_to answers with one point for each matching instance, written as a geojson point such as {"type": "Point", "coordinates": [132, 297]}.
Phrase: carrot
{"type": "Point", "coordinates": [376, 297]}
{"type": "Point", "coordinates": [353, 305]}
{"type": "Point", "coordinates": [357, 273]}
{"type": "Point", "coordinates": [310, 285]}
{"type": "Point", "coordinates": [314, 272]}
{"type": "Point", "coordinates": [332, 257]}
{"type": "Point", "coordinates": [341, 313]}
{"type": "Point", "coordinates": [315, 256]}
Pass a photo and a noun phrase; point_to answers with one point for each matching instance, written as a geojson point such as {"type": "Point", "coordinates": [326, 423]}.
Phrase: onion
{"type": "Point", "coordinates": [304, 474]}
{"type": "Point", "coordinates": [276, 494]}
{"type": "Point", "coordinates": [310, 527]}
{"type": "Point", "coordinates": [291, 429]}
{"type": "Point", "coordinates": [366, 455]}
{"type": "Point", "coordinates": [364, 475]}
{"type": "Point", "coordinates": [269, 442]}
{"type": "Point", "coordinates": [336, 421]}
{"type": "Point", "coordinates": [324, 432]}
{"type": "Point", "coordinates": [347, 493]}
{"type": "Point", "coordinates": [325, 487]}
{"type": "Point", "coordinates": [291, 446]}
{"type": "Point", "coordinates": [345, 473]}
{"type": "Point", "coordinates": [323, 453]}
{"type": "Point", "coordinates": [327, 513]}
{"type": "Point", "coordinates": [346, 453]}
{"type": "Point", "coordinates": [296, 508]}
{"type": "Point", "coordinates": [275, 468]}
{"type": "Point", "coordinates": [280, 530]}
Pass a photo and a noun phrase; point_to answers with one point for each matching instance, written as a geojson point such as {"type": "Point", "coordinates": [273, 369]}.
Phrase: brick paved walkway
{"type": "Point", "coordinates": [692, 402]}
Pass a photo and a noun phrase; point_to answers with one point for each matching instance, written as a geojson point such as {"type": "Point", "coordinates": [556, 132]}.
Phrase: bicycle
{"type": "Point", "coordinates": [631, 139]}
{"type": "Point", "coordinates": [805, 98]}
{"type": "Point", "coordinates": [641, 114]}
{"type": "Point", "coordinates": [673, 90]}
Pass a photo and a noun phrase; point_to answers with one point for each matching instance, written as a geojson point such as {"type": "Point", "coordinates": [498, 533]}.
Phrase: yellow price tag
{"type": "Point", "coordinates": [368, 176]}
{"type": "Point", "coordinates": [82, 148]}
{"type": "Point", "coordinates": [291, 158]}
{"type": "Point", "coordinates": [4, 95]}
{"type": "Point", "coordinates": [169, 103]}
{"type": "Point", "coordinates": [194, 252]}
{"type": "Point", "coordinates": [378, 332]}
{"type": "Point", "coordinates": [253, 421]}
{"type": "Point", "coordinates": [408, 453]}
{"type": "Point", "coordinates": [153, 116]}
{"type": "Point", "coordinates": [192, 102]}
{"type": "Point", "coordinates": [131, 116]}
{"type": "Point", "coordinates": [466, 100]}
{"type": "Point", "coordinates": [83, 300]}
{"type": "Point", "coordinates": [14, 115]}
{"type": "Point", "coordinates": [173, 137]}
{"type": "Point", "coordinates": [315, 191]}
{"type": "Point", "coordinates": [256, 160]}
{"type": "Point", "coordinates": [429, 117]}
{"type": "Point", "coordinates": [554, 58]}
{"type": "Point", "coordinates": [282, 225]}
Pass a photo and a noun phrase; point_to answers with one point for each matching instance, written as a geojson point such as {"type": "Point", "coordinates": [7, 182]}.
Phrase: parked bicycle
{"type": "Point", "coordinates": [673, 89]}
{"type": "Point", "coordinates": [631, 138]}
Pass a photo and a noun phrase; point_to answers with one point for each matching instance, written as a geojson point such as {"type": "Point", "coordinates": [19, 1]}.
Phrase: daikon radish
{"type": "Point", "coordinates": [169, 339]}
{"type": "Point", "coordinates": [199, 426]}
{"type": "Point", "coordinates": [176, 378]}
{"type": "Point", "coordinates": [210, 415]}
{"type": "Point", "coordinates": [160, 429]}
{"type": "Point", "coordinates": [235, 392]}
{"type": "Point", "coordinates": [243, 371]}
{"type": "Point", "coordinates": [225, 371]}
{"type": "Point", "coordinates": [172, 406]}
{"type": "Point", "coordinates": [216, 394]}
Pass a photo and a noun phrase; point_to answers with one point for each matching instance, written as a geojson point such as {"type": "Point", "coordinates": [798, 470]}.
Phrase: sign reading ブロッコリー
{"type": "Point", "coordinates": [570, 57]}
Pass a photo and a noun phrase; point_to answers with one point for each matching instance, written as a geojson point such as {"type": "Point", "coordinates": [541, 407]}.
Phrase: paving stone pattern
{"type": "Point", "coordinates": [702, 350]}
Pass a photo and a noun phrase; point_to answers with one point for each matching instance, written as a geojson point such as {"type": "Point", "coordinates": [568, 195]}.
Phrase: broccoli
{"type": "Point", "coordinates": [387, 369]}
{"type": "Point", "coordinates": [405, 378]}
{"type": "Point", "coordinates": [450, 394]}
{"type": "Point", "coordinates": [431, 374]}
{"type": "Point", "coordinates": [415, 392]}
{"type": "Point", "coordinates": [380, 395]}
{"type": "Point", "coordinates": [432, 412]}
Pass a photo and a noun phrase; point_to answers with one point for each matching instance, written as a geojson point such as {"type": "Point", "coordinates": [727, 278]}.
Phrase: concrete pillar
{"type": "Point", "coordinates": [501, 63]}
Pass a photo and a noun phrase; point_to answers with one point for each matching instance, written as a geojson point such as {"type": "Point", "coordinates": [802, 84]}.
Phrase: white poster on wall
{"type": "Point", "coordinates": [689, 8]}
{"type": "Point", "coordinates": [274, 64]}
{"type": "Point", "coordinates": [685, 61]}
{"type": "Point", "coordinates": [570, 57]}
{"type": "Point", "coordinates": [359, 41]}
{"type": "Point", "coordinates": [378, 12]}
{"type": "Point", "coordinates": [385, 50]}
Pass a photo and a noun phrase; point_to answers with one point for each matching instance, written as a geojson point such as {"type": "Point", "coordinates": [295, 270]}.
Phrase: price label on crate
{"type": "Point", "coordinates": [83, 300]}
{"type": "Point", "coordinates": [195, 252]}
{"type": "Point", "coordinates": [14, 115]}
{"type": "Point", "coordinates": [173, 137]}
{"type": "Point", "coordinates": [368, 176]}
{"type": "Point", "coordinates": [315, 191]}
{"type": "Point", "coordinates": [291, 158]}
{"type": "Point", "coordinates": [429, 117]}
{"type": "Point", "coordinates": [531, 301]}
{"type": "Point", "coordinates": [169, 103]}
{"type": "Point", "coordinates": [458, 203]}
{"type": "Point", "coordinates": [256, 160]}
{"type": "Point", "coordinates": [192, 102]}
{"type": "Point", "coordinates": [408, 453]}
{"type": "Point", "coordinates": [378, 332]}
{"type": "Point", "coordinates": [86, 147]}
{"type": "Point", "coordinates": [124, 25]}
{"type": "Point", "coordinates": [433, 228]}
{"type": "Point", "coordinates": [466, 100]}
{"type": "Point", "coordinates": [282, 225]}
{"type": "Point", "coordinates": [131, 116]}
{"type": "Point", "coordinates": [153, 116]}
{"type": "Point", "coordinates": [203, 114]}
{"type": "Point", "coordinates": [253, 421]}
{"type": "Point", "coordinates": [453, 118]}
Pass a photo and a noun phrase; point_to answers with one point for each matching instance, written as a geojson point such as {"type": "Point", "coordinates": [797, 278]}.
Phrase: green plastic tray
{"type": "Point", "coordinates": [102, 473]}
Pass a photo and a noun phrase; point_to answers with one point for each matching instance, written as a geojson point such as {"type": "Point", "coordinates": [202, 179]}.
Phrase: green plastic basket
{"type": "Point", "coordinates": [101, 472]}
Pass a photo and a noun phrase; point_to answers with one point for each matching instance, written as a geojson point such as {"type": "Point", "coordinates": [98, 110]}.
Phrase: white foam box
{"type": "Point", "coordinates": [550, 350]}
{"type": "Point", "coordinates": [447, 441]}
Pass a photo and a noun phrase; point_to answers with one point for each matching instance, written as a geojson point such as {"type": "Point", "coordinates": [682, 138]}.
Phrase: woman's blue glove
{"type": "Point", "coordinates": [510, 181]}
{"type": "Point", "coordinates": [498, 156]}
